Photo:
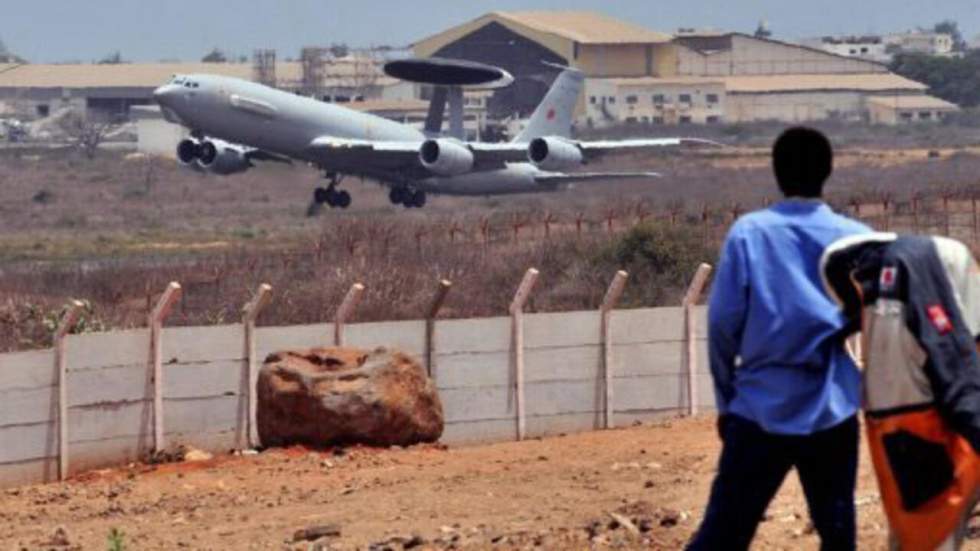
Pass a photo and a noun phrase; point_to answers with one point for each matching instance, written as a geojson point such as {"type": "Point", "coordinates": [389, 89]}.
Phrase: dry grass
{"type": "Point", "coordinates": [115, 230]}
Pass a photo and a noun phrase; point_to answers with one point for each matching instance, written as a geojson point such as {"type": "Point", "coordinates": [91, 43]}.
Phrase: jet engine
{"type": "Point", "coordinates": [446, 157]}
{"type": "Point", "coordinates": [222, 157]}
{"type": "Point", "coordinates": [188, 152]}
{"type": "Point", "coordinates": [553, 153]}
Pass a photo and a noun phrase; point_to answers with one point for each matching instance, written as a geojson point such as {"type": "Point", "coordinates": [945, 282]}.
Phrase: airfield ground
{"type": "Point", "coordinates": [557, 493]}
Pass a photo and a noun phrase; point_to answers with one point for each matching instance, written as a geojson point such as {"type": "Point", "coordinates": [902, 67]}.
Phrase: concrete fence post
{"type": "Point", "coordinates": [430, 325]}
{"type": "Point", "coordinates": [613, 294]}
{"type": "Point", "coordinates": [157, 317]}
{"type": "Point", "coordinates": [345, 311]}
{"type": "Point", "coordinates": [68, 320]}
{"type": "Point", "coordinates": [517, 345]}
{"type": "Point", "coordinates": [250, 313]}
{"type": "Point", "coordinates": [694, 292]}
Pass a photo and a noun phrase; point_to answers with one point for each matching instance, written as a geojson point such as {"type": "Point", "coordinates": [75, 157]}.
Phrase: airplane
{"type": "Point", "coordinates": [234, 122]}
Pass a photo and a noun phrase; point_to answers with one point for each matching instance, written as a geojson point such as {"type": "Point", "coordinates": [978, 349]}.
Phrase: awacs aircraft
{"type": "Point", "coordinates": [235, 122]}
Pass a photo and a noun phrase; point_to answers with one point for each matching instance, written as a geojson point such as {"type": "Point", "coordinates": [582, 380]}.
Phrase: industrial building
{"type": "Point", "coordinates": [635, 75]}
{"type": "Point", "coordinates": [109, 90]}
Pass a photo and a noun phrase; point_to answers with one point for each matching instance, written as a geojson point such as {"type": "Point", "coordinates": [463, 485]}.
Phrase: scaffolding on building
{"type": "Point", "coordinates": [264, 67]}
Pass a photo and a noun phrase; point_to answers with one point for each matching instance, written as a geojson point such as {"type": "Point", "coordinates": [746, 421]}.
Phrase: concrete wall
{"type": "Point", "coordinates": [204, 375]}
{"type": "Point", "coordinates": [795, 107]}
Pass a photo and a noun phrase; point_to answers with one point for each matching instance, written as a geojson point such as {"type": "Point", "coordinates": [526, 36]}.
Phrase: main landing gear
{"type": "Point", "coordinates": [407, 196]}
{"type": "Point", "coordinates": [331, 196]}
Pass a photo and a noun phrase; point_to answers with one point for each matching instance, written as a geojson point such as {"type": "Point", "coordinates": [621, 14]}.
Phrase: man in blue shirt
{"type": "Point", "coordinates": [787, 391]}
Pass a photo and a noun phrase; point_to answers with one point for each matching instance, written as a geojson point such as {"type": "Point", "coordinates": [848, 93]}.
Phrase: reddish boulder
{"type": "Point", "coordinates": [328, 396]}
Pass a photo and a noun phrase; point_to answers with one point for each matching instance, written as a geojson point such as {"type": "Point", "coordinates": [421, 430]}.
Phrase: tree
{"type": "Point", "coordinates": [6, 56]}
{"type": "Point", "coordinates": [113, 58]}
{"type": "Point", "coordinates": [85, 133]}
{"type": "Point", "coordinates": [952, 28]}
{"type": "Point", "coordinates": [762, 31]}
{"type": "Point", "coordinates": [215, 56]}
{"type": "Point", "coordinates": [952, 79]}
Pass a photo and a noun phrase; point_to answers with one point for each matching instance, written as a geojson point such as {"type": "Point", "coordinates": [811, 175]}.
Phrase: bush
{"type": "Point", "coordinates": [660, 260]}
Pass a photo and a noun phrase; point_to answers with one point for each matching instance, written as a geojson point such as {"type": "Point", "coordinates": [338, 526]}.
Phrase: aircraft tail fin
{"type": "Point", "coordinates": [553, 117]}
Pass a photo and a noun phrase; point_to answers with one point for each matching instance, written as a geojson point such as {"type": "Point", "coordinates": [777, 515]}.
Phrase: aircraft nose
{"type": "Point", "coordinates": [163, 93]}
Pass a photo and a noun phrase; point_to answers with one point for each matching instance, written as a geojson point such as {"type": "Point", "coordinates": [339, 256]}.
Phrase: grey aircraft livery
{"type": "Point", "coordinates": [234, 122]}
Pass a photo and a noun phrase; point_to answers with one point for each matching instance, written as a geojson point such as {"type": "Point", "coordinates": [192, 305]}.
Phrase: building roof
{"type": "Point", "coordinates": [585, 27]}
{"type": "Point", "coordinates": [913, 102]}
{"type": "Point", "coordinates": [149, 75]}
{"type": "Point", "coordinates": [756, 84]}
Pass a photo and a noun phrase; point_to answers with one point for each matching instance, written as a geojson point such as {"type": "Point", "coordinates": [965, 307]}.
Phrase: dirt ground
{"type": "Point", "coordinates": [642, 487]}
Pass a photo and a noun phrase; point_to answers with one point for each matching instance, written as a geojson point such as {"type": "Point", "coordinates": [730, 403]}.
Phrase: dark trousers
{"type": "Point", "coordinates": [752, 467]}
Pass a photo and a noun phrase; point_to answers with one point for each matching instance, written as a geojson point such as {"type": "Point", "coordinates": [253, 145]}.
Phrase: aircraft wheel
{"type": "Point", "coordinates": [321, 195]}
{"type": "Point", "coordinates": [418, 199]}
{"type": "Point", "coordinates": [343, 199]}
{"type": "Point", "coordinates": [397, 195]}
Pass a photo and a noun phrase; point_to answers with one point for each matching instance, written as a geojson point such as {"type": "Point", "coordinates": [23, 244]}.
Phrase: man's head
{"type": "Point", "coordinates": [802, 159]}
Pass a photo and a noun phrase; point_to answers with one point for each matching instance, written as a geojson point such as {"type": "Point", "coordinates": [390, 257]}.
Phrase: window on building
{"type": "Point", "coordinates": [684, 98]}
{"type": "Point", "coordinates": [712, 119]}
{"type": "Point", "coordinates": [711, 98]}
{"type": "Point", "coordinates": [592, 100]}
{"type": "Point", "coordinates": [685, 119]}
{"type": "Point", "coordinates": [864, 50]}
{"type": "Point", "coordinates": [631, 100]}
{"type": "Point", "coordinates": [646, 120]}
{"type": "Point", "coordinates": [630, 120]}
{"type": "Point", "coordinates": [611, 99]}
{"type": "Point", "coordinates": [658, 120]}
{"type": "Point", "coordinates": [659, 99]}
{"type": "Point", "coordinates": [43, 110]}
{"type": "Point", "coordinates": [905, 116]}
{"type": "Point", "coordinates": [925, 115]}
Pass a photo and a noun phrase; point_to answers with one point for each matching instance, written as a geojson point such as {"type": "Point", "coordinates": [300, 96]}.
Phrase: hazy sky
{"type": "Point", "coordinates": [63, 30]}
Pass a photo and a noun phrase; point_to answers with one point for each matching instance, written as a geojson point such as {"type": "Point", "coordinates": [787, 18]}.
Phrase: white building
{"type": "Point", "coordinates": [868, 47]}
{"type": "Point", "coordinates": [920, 42]}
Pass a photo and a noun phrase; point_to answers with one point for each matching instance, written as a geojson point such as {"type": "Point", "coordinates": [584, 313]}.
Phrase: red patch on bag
{"type": "Point", "coordinates": [939, 318]}
{"type": "Point", "coordinates": [888, 277]}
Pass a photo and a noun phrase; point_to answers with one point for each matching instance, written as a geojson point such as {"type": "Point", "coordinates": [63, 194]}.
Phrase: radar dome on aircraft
{"type": "Point", "coordinates": [449, 72]}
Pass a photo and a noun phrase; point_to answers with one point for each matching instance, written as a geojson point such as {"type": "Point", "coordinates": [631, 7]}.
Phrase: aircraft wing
{"type": "Point", "coordinates": [487, 153]}
{"type": "Point", "coordinates": [593, 150]}
{"type": "Point", "coordinates": [403, 157]}
{"type": "Point", "coordinates": [555, 178]}
{"type": "Point", "coordinates": [383, 155]}
{"type": "Point", "coordinates": [351, 155]}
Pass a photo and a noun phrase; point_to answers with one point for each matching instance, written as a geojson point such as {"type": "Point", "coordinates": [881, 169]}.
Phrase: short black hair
{"type": "Point", "coordinates": [802, 159]}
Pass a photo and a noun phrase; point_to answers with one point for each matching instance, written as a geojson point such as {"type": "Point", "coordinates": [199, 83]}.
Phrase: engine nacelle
{"type": "Point", "coordinates": [222, 157]}
{"type": "Point", "coordinates": [446, 157]}
{"type": "Point", "coordinates": [553, 153]}
{"type": "Point", "coordinates": [188, 152]}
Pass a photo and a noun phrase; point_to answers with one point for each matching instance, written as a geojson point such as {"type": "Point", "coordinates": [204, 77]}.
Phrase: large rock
{"type": "Point", "coordinates": [327, 396]}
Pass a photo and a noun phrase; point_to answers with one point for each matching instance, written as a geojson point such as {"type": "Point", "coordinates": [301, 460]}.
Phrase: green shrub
{"type": "Point", "coordinates": [660, 260]}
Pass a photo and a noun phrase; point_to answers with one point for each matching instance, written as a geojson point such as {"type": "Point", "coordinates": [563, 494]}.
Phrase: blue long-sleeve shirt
{"type": "Point", "coordinates": [775, 338]}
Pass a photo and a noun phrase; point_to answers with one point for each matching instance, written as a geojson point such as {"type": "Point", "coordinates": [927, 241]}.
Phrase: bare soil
{"type": "Point", "coordinates": [571, 492]}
